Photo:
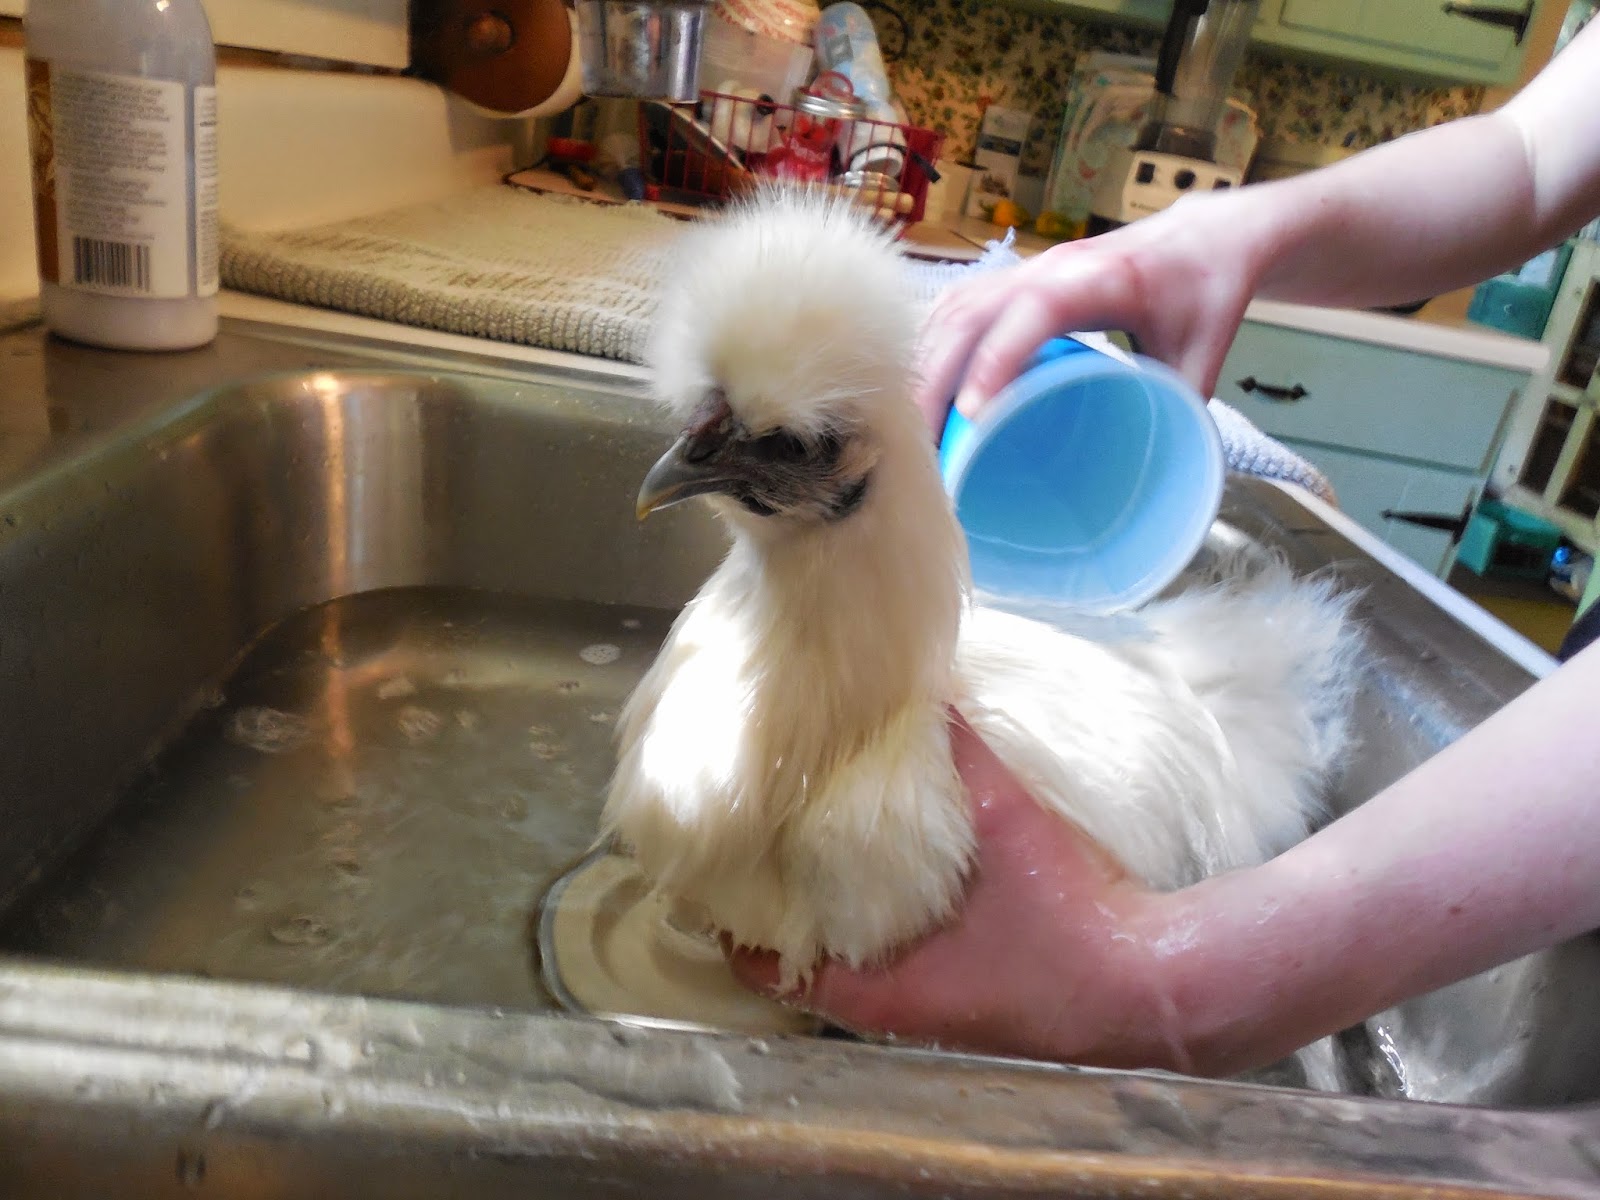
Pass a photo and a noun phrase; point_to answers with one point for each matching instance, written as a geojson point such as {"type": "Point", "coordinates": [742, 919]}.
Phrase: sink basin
{"type": "Point", "coordinates": [310, 653]}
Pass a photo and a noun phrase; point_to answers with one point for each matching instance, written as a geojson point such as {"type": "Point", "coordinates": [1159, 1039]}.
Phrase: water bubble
{"type": "Point", "coordinates": [632, 623]}
{"type": "Point", "coordinates": [600, 718]}
{"type": "Point", "coordinates": [301, 931]}
{"type": "Point", "coordinates": [302, 1050]}
{"type": "Point", "coordinates": [191, 1168]}
{"type": "Point", "coordinates": [600, 653]}
{"type": "Point", "coordinates": [396, 687]}
{"type": "Point", "coordinates": [419, 724]}
{"type": "Point", "coordinates": [269, 730]}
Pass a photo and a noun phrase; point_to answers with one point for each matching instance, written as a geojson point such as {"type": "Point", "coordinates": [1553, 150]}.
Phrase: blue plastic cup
{"type": "Point", "coordinates": [1088, 484]}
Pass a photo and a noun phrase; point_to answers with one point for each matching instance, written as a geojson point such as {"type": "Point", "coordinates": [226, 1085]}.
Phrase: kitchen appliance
{"type": "Point", "coordinates": [1176, 151]}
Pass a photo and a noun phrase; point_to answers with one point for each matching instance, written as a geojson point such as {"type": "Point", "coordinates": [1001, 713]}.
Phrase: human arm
{"type": "Point", "coordinates": [1489, 850]}
{"type": "Point", "coordinates": [1435, 210]}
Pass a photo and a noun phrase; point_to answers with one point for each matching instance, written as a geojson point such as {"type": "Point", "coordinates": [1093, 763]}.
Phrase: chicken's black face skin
{"type": "Point", "coordinates": [771, 473]}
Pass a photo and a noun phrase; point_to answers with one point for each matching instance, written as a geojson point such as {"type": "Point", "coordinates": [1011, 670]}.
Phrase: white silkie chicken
{"type": "Point", "coordinates": [785, 765]}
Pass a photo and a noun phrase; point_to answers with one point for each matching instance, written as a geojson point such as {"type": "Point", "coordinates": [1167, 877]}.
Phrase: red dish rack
{"type": "Point", "coordinates": [710, 150]}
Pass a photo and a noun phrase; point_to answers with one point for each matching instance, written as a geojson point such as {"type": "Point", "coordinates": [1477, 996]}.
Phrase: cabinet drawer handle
{"type": "Point", "coordinates": [1271, 390]}
{"type": "Point", "coordinates": [1514, 19]}
{"type": "Point", "coordinates": [1455, 525]}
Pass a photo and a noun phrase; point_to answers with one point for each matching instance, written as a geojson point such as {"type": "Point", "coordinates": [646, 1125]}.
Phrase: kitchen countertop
{"type": "Point", "coordinates": [398, 339]}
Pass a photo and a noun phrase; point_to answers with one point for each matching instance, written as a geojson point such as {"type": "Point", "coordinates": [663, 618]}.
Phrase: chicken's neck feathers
{"type": "Point", "coordinates": [853, 621]}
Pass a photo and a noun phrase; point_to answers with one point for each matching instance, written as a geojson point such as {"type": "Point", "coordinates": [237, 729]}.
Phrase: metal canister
{"type": "Point", "coordinates": [848, 44]}
{"type": "Point", "coordinates": [649, 49]}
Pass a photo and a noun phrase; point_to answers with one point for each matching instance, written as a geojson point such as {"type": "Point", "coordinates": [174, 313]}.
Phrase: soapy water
{"type": "Point", "coordinates": [269, 730]}
{"type": "Point", "coordinates": [392, 784]}
{"type": "Point", "coordinates": [397, 687]}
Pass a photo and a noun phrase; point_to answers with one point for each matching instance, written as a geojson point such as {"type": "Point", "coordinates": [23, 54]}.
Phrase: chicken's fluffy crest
{"type": "Point", "coordinates": [794, 302]}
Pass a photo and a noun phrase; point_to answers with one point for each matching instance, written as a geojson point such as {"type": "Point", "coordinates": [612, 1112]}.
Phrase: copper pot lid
{"type": "Point", "coordinates": [509, 57]}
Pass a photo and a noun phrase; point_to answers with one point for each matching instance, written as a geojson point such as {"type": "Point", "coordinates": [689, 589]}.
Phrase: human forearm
{"type": "Point", "coordinates": [1437, 210]}
{"type": "Point", "coordinates": [1488, 851]}
{"type": "Point", "coordinates": [1444, 207]}
{"type": "Point", "coordinates": [1425, 214]}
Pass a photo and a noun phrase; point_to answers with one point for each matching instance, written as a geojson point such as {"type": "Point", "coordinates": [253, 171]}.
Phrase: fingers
{"type": "Point", "coordinates": [1034, 871]}
{"type": "Point", "coordinates": [905, 997]}
{"type": "Point", "coordinates": [954, 326]}
{"type": "Point", "coordinates": [997, 358]}
{"type": "Point", "coordinates": [983, 332]}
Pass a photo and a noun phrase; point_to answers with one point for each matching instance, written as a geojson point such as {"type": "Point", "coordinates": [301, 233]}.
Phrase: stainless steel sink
{"type": "Point", "coordinates": [309, 652]}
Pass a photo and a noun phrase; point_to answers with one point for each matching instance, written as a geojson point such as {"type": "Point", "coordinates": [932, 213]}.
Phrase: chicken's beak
{"type": "Point", "coordinates": [675, 478]}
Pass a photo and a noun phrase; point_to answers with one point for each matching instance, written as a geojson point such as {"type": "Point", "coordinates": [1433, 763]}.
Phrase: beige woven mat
{"type": "Point", "coordinates": [495, 262]}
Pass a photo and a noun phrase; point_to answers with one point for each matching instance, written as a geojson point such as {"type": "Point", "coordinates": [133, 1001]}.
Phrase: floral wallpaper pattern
{"type": "Point", "coordinates": [957, 56]}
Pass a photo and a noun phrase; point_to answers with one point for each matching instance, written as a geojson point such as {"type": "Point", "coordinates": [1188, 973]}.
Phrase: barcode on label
{"type": "Point", "coordinates": [111, 264]}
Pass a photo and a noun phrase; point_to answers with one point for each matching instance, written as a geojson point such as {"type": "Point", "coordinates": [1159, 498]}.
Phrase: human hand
{"type": "Point", "coordinates": [1178, 281]}
{"type": "Point", "coordinates": [1049, 958]}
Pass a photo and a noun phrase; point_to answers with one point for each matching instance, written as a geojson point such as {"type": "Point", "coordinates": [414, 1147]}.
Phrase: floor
{"type": "Point", "coordinates": [1528, 606]}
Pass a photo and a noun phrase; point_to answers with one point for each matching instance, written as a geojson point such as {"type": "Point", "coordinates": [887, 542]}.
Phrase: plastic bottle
{"type": "Point", "coordinates": [122, 121]}
{"type": "Point", "coordinates": [848, 43]}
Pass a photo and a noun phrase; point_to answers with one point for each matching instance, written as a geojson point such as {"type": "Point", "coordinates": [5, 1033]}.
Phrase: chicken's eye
{"type": "Point", "coordinates": [780, 446]}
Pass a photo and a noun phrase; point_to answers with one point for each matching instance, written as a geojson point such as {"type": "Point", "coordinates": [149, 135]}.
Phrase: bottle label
{"type": "Point", "coordinates": [41, 141]}
{"type": "Point", "coordinates": [205, 191]}
{"type": "Point", "coordinates": [111, 173]}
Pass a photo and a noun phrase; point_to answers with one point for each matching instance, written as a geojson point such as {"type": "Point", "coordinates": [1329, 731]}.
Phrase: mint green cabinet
{"type": "Point", "coordinates": [1369, 486]}
{"type": "Point", "coordinates": [1427, 38]}
{"type": "Point", "coordinates": [1415, 39]}
{"type": "Point", "coordinates": [1394, 430]}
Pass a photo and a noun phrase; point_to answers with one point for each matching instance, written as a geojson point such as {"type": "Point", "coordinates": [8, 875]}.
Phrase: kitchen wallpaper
{"type": "Point", "coordinates": [953, 57]}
